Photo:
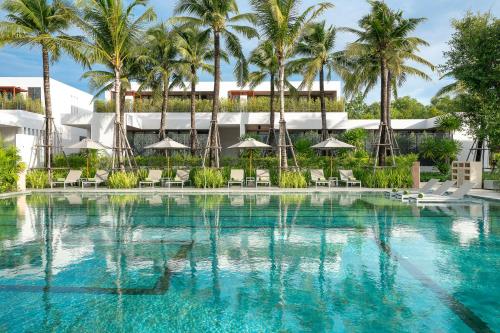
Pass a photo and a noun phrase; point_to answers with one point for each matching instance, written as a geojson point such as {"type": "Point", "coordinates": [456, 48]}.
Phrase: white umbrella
{"type": "Point", "coordinates": [87, 144]}
{"type": "Point", "coordinates": [331, 144]}
{"type": "Point", "coordinates": [250, 144]}
{"type": "Point", "coordinates": [167, 144]}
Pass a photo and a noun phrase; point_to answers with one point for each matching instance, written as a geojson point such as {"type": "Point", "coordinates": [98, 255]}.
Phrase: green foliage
{"type": "Point", "coordinates": [440, 151]}
{"type": "Point", "coordinates": [123, 180]}
{"type": "Point", "coordinates": [449, 123]}
{"type": "Point", "coordinates": [208, 178]}
{"type": "Point", "coordinates": [398, 177]}
{"type": "Point", "coordinates": [10, 166]}
{"type": "Point", "coordinates": [472, 60]}
{"type": "Point", "coordinates": [426, 176]}
{"type": "Point", "coordinates": [19, 102]}
{"type": "Point", "coordinates": [293, 179]}
{"type": "Point", "coordinates": [260, 104]}
{"type": "Point", "coordinates": [37, 179]}
{"type": "Point", "coordinates": [355, 137]}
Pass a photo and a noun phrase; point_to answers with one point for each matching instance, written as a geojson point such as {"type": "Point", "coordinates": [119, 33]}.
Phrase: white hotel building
{"type": "Point", "coordinates": [75, 117]}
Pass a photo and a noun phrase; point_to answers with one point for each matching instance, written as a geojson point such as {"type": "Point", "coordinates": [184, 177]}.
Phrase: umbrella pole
{"type": "Point", "coordinates": [251, 155]}
{"type": "Point", "coordinates": [168, 163]}
{"type": "Point", "coordinates": [88, 158]}
{"type": "Point", "coordinates": [331, 164]}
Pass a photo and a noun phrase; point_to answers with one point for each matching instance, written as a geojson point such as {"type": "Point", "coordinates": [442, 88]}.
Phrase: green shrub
{"type": "Point", "coordinates": [208, 178]}
{"type": "Point", "coordinates": [399, 177]}
{"type": "Point", "coordinates": [440, 151]}
{"type": "Point", "coordinates": [123, 180]}
{"type": "Point", "coordinates": [37, 179]}
{"type": "Point", "coordinates": [426, 176]}
{"type": "Point", "coordinates": [10, 166]}
{"type": "Point", "coordinates": [293, 179]}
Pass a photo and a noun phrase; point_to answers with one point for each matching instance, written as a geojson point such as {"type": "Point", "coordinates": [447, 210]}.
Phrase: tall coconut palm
{"type": "Point", "coordinates": [161, 66]}
{"type": "Point", "coordinates": [381, 50]}
{"type": "Point", "coordinates": [41, 23]}
{"type": "Point", "coordinates": [316, 48]}
{"type": "Point", "coordinates": [113, 31]}
{"type": "Point", "coordinates": [222, 17]}
{"type": "Point", "coordinates": [195, 50]}
{"type": "Point", "coordinates": [264, 58]}
{"type": "Point", "coordinates": [283, 23]}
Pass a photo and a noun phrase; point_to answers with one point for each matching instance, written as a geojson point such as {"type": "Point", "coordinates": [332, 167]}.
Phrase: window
{"type": "Point", "coordinates": [35, 93]}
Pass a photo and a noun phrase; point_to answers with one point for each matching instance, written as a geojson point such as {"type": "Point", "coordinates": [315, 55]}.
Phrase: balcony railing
{"type": "Point", "coordinates": [19, 102]}
{"type": "Point", "coordinates": [226, 105]}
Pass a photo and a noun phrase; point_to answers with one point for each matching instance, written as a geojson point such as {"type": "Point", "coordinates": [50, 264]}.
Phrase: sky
{"type": "Point", "coordinates": [436, 30]}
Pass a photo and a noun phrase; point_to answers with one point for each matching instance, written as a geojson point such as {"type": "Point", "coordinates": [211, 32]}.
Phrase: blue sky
{"type": "Point", "coordinates": [436, 30]}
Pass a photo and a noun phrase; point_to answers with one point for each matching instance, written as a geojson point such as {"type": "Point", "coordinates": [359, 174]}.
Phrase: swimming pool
{"type": "Point", "coordinates": [255, 263]}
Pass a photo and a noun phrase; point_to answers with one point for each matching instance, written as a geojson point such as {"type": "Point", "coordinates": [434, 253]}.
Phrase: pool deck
{"type": "Point", "coordinates": [476, 193]}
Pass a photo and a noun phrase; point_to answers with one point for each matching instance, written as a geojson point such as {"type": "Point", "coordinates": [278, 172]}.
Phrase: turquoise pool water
{"type": "Point", "coordinates": [256, 263]}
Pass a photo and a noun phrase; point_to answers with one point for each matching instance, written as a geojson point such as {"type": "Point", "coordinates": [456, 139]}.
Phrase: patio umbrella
{"type": "Point", "coordinates": [87, 144]}
{"type": "Point", "coordinates": [250, 144]}
{"type": "Point", "coordinates": [331, 144]}
{"type": "Point", "coordinates": [166, 145]}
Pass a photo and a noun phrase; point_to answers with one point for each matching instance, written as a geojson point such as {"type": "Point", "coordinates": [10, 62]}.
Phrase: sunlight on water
{"type": "Point", "coordinates": [255, 263]}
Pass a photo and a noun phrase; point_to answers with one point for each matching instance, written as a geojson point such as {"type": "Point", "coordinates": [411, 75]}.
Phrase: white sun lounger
{"type": "Point", "coordinates": [263, 177]}
{"type": "Point", "coordinates": [427, 188]}
{"type": "Point", "coordinates": [181, 178]}
{"type": "Point", "coordinates": [236, 177]}
{"type": "Point", "coordinates": [441, 190]}
{"type": "Point", "coordinates": [71, 179]}
{"type": "Point", "coordinates": [347, 176]}
{"type": "Point", "coordinates": [455, 196]}
{"type": "Point", "coordinates": [318, 177]}
{"type": "Point", "coordinates": [101, 177]}
{"type": "Point", "coordinates": [154, 177]}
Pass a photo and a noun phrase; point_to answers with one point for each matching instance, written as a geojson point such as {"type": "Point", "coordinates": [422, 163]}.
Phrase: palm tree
{"type": "Point", "coordinates": [264, 57]}
{"type": "Point", "coordinates": [283, 23]}
{"type": "Point", "coordinates": [381, 50]}
{"type": "Point", "coordinates": [41, 23]}
{"type": "Point", "coordinates": [316, 47]}
{"type": "Point", "coordinates": [113, 32]}
{"type": "Point", "coordinates": [195, 50]}
{"type": "Point", "coordinates": [222, 17]}
{"type": "Point", "coordinates": [161, 65]}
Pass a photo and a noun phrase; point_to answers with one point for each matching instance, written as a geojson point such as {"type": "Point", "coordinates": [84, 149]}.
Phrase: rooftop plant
{"type": "Point", "coordinates": [19, 102]}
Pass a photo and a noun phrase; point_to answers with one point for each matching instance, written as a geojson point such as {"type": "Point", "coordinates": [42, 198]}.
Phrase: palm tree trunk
{"type": "Point", "coordinates": [271, 140]}
{"type": "Point", "coordinates": [164, 107]}
{"type": "Point", "coordinates": [383, 112]}
{"type": "Point", "coordinates": [213, 150]}
{"type": "Point", "coordinates": [282, 133]}
{"type": "Point", "coordinates": [324, 130]}
{"type": "Point", "coordinates": [194, 138]}
{"type": "Point", "coordinates": [48, 110]}
{"type": "Point", "coordinates": [118, 126]}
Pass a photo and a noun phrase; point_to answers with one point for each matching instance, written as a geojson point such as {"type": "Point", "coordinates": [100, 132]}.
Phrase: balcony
{"type": "Point", "coordinates": [260, 104]}
{"type": "Point", "coordinates": [19, 102]}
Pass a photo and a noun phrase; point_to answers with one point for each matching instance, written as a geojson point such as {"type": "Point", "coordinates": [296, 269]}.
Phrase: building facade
{"type": "Point", "coordinates": [22, 113]}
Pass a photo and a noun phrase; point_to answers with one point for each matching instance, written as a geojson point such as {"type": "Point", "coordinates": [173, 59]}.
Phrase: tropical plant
{"type": "Point", "coordinates": [472, 60]}
{"type": "Point", "coordinates": [223, 19]}
{"type": "Point", "coordinates": [293, 179]}
{"type": "Point", "coordinates": [113, 32]}
{"type": "Point", "coordinates": [122, 179]}
{"type": "Point", "coordinates": [161, 67]}
{"type": "Point", "coordinates": [283, 23]}
{"type": "Point", "coordinates": [381, 50]}
{"type": "Point", "coordinates": [10, 166]}
{"type": "Point", "coordinates": [37, 179]}
{"type": "Point", "coordinates": [316, 48]}
{"type": "Point", "coordinates": [41, 23]}
{"type": "Point", "coordinates": [264, 58]}
{"type": "Point", "coordinates": [208, 178]}
{"type": "Point", "coordinates": [440, 151]}
{"type": "Point", "coordinates": [195, 50]}
{"type": "Point", "coordinates": [355, 137]}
